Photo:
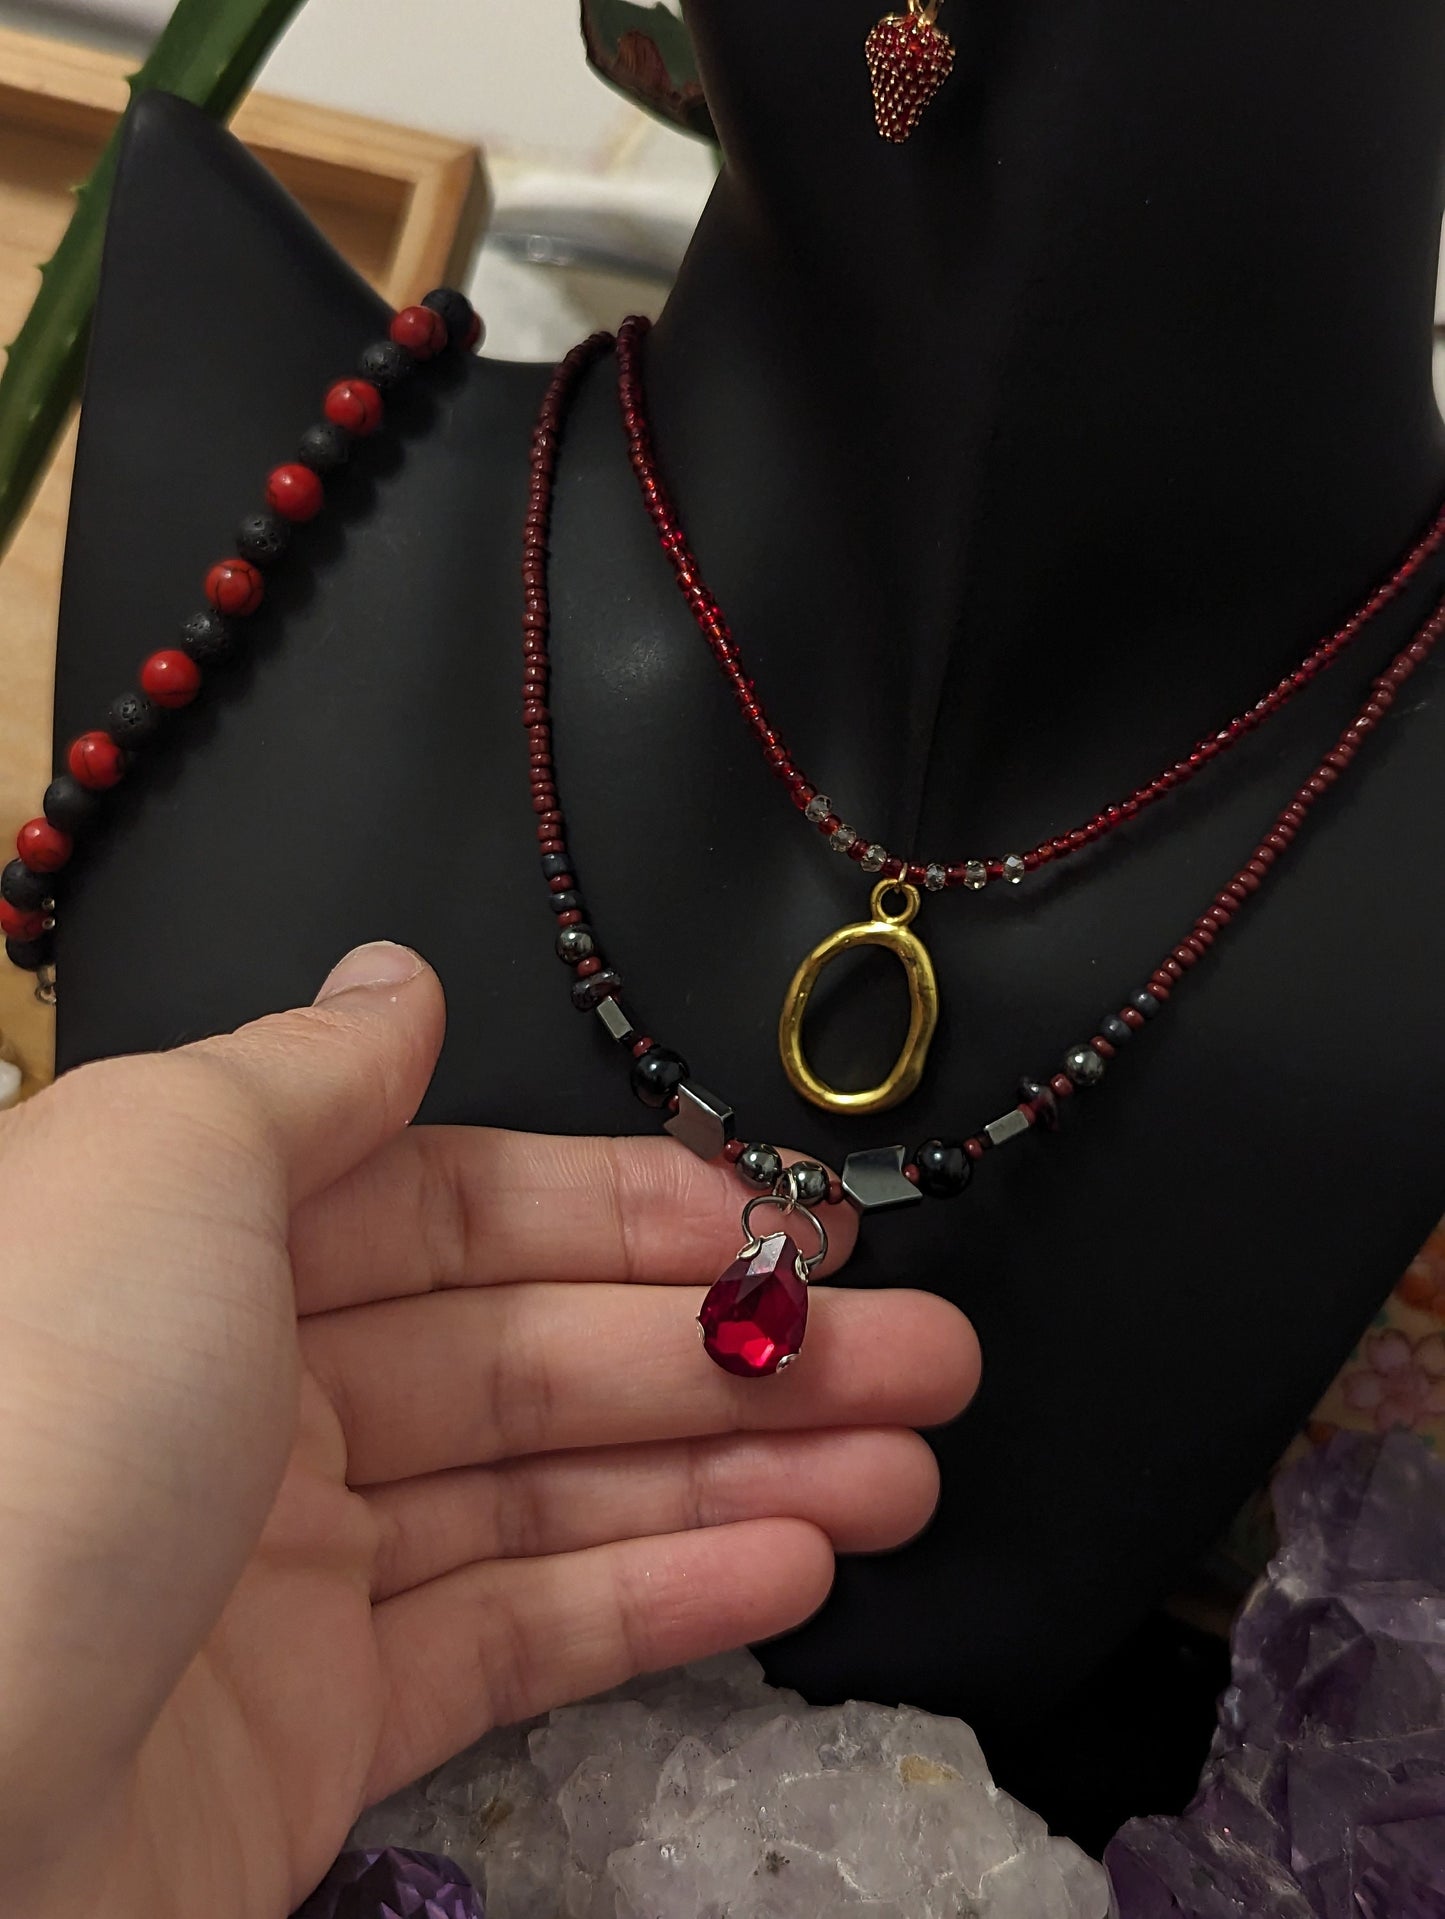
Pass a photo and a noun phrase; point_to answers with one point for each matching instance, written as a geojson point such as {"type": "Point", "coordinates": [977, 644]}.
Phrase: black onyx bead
{"type": "Point", "coordinates": [589, 993]}
{"type": "Point", "coordinates": [1083, 1066]}
{"type": "Point", "coordinates": [1144, 1002]}
{"type": "Point", "coordinates": [385, 364]}
{"type": "Point", "coordinates": [566, 902]}
{"type": "Point", "coordinates": [1033, 1092]}
{"type": "Point", "coordinates": [325, 447]}
{"type": "Point", "coordinates": [555, 864]}
{"type": "Point", "coordinates": [456, 311]}
{"type": "Point", "coordinates": [133, 720]}
{"type": "Point", "coordinates": [575, 943]}
{"type": "Point", "coordinates": [1118, 1031]}
{"type": "Point", "coordinates": [657, 1075]}
{"type": "Point", "coordinates": [208, 636]}
{"type": "Point", "coordinates": [69, 805]}
{"type": "Point", "coordinates": [810, 1183]}
{"type": "Point", "coordinates": [944, 1169]}
{"type": "Point", "coordinates": [28, 955]}
{"type": "Point", "coordinates": [26, 890]}
{"type": "Point", "coordinates": [763, 1165]}
{"type": "Point", "coordinates": [262, 538]}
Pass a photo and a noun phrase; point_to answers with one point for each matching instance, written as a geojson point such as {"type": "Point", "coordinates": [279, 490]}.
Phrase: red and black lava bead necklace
{"type": "Point", "coordinates": [754, 1316]}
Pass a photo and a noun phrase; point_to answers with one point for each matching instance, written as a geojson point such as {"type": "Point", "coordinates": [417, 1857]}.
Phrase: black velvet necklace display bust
{"type": "Point", "coordinates": [1020, 458]}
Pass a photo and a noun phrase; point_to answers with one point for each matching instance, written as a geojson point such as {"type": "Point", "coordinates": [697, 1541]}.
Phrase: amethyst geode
{"type": "Point", "coordinates": [393, 1884]}
{"type": "Point", "coordinates": [1324, 1795]}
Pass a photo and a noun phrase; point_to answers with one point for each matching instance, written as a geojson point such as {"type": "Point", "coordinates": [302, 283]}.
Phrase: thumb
{"type": "Point", "coordinates": [335, 1080]}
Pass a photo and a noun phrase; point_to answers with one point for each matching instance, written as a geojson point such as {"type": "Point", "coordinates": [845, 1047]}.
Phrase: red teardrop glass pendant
{"type": "Point", "coordinates": [755, 1315]}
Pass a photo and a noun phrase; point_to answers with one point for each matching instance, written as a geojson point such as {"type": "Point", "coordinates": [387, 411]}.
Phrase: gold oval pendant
{"type": "Point", "coordinates": [890, 931]}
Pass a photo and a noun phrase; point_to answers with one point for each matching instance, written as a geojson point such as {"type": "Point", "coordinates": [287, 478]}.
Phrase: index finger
{"type": "Point", "coordinates": [442, 1206]}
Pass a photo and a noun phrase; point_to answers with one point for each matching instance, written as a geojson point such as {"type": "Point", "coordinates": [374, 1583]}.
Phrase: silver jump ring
{"type": "Point", "coordinates": [788, 1204]}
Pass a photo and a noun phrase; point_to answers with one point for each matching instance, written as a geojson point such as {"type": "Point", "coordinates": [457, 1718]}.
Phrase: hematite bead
{"type": "Point", "coordinates": [703, 1122]}
{"type": "Point", "coordinates": [763, 1165]}
{"type": "Point", "coordinates": [589, 993]}
{"type": "Point", "coordinates": [657, 1075]}
{"type": "Point", "coordinates": [1116, 1030]}
{"type": "Point", "coordinates": [555, 863]}
{"type": "Point", "coordinates": [69, 805]}
{"type": "Point", "coordinates": [575, 943]}
{"type": "Point", "coordinates": [208, 636]}
{"type": "Point", "coordinates": [810, 1182]}
{"type": "Point", "coordinates": [619, 1026]}
{"type": "Point", "coordinates": [1034, 1093]}
{"type": "Point", "coordinates": [565, 902]}
{"type": "Point", "coordinates": [28, 955]}
{"type": "Point", "coordinates": [262, 538]}
{"type": "Point", "coordinates": [133, 720]}
{"type": "Point", "coordinates": [1144, 1002]}
{"type": "Point", "coordinates": [23, 889]}
{"type": "Point", "coordinates": [874, 1181]}
{"type": "Point", "coordinates": [1083, 1066]}
{"type": "Point", "coordinates": [944, 1169]}
{"type": "Point", "coordinates": [385, 364]}
{"type": "Point", "coordinates": [325, 447]}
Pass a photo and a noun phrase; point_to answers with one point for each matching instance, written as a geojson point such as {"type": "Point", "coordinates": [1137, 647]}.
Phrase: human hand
{"type": "Point", "coordinates": [327, 1444]}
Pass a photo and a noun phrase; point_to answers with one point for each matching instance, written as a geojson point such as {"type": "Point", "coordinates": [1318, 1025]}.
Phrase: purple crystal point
{"type": "Point", "coordinates": [1324, 1795]}
{"type": "Point", "coordinates": [393, 1884]}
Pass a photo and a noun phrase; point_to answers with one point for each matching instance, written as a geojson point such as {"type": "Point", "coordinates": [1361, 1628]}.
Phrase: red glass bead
{"type": "Point", "coordinates": [586, 968]}
{"type": "Point", "coordinates": [235, 587]}
{"type": "Point", "coordinates": [756, 1313]}
{"type": "Point", "coordinates": [975, 1148]}
{"type": "Point", "coordinates": [294, 492]}
{"type": "Point", "coordinates": [170, 678]}
{"type": "Point", "coordinates": [1061, 1086]}
{"type": "Point", "coordinates": [356, 405]}
{"type": "Point", "coordinates": [572, 917]}
{"type": "Point", "coordinates": [734, 1150]}
{"type": "Point", "coordinates": [1131, 1016]}
{"type": "Point", "coordinates": [1101, 1046]}
{"type": "Point", "coordinates": [561, 883]}
{"type": "Point", "coordinates": [18, 925]}
{"type": "Point", "coordinates": [95, 761]}
{"type": "Point", "coordinates": [422, 332]}
{"type": "Point", "coordinates": [43, 847]}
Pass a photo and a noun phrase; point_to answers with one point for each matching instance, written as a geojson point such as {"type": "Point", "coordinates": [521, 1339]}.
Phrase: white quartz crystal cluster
{"type": "Point", "coordinates": [707, 1794]}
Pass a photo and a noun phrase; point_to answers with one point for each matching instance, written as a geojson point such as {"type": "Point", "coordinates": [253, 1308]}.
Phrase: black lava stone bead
{"type": "Point", "coordinates": [262, 538]}
{"type": "Point", "coordinates": [575, 943]}
{"type": "Point", "coordinates": [69, 805]}
{"type": "Point", "coordinates": [26, 890]}
{"type": "Point", "coordinates": [133, 720]}
{"type": "Point", "coordinates": [28, 955]}
{"type": "Point", "coordinates": [1083, 1066]}
{"type": "Point", "coordinates": [385, 364]}
{"type": "Point", "coordinates": [325, 447]}
{"type": "Point", "coordinates": [944, 1169]}
{"type": "Point", "coordinates": [208, 636]}
{"type": "Point", "coordinates": [456, 311]}
{"type": "Point", "coordinates": [589, 993]}
{"type": "Point", "coordinates": [810, 1183]}
{"type": "Point", "coordinates": [565, 902]}
{"type": "Point", "coordinates": [657, 1075]}
{"type": "Point", "coordinates": [763, 1165]}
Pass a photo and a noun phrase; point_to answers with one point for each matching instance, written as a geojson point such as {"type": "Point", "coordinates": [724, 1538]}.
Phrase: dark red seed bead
{"type": "Point", "coordinates": [835, 1190]}
{"type": "Point", "coordinates": [1131, 1016]}
{"type": "Point", "coordinates": [829, 824]}
{"type": "Point", "coordinates": [544, 801]}
{"type": "Point", "coordinates": [170, 678]}
{"type": "Point", "coordinates": [1061, 1086]}
{"type": "Point", "coordinates": [1185, 955]}
{"type": "Point", "coordinates": [17, 924]}
{"type": "Point", "coordinates": [235, 587]}
{"type": "Point", "coordinates": [294, 492]}
{"type": "Point", "coordinates": [561, 883]}
{"type": "Point", "coordinates": [43, 847]}
{"type": "Point", "coordinates": [910, 1172]}
{"type": "Point", "coordinates": [892, 870]}
{"type": "Point", "coordinates": [356, 405]}
{"type": "Point", "coordinates": [858, 850]}
{"type": "Point", "coordinates": [586, 968]}
{"type": "Point", "coordinates": [975, 1148]}
{"type": "Point", "coordinates": [802, 793]}
{"type": "Point", "coordinates": [422, 332]}
{"type": "Point", "coordinates": [534, 711]}
{"type": "Point", "coordinates": [553, 846]}
{"type": "Point", "coordinates": [572, 917]}
{"type": "Point", "coordinates": [641, 1046]}
{"type": "Point", "coordinates": [1261, 863]}
{"type": "Point", "coordinates": [1102, 1047]}
{"type": "Point", "coordinates": [1161, 993]}
{"type": "Point", "coordinates": [734, 1149]}
{"type": "Point", "coordinates": [96, 761]}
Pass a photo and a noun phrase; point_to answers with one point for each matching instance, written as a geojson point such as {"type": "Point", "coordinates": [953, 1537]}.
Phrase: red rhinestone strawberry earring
{"type": "Point", "coordinates": [909, 58]}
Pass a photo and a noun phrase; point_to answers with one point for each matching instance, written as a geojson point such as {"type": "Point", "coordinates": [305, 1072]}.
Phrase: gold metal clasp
{"type": "Point", "coordinates": [890, 931]}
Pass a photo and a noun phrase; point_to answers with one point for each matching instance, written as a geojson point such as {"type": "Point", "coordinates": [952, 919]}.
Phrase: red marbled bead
{"type": "Point", "coordinates": [422, 332]}
{"type": "Point", "coordinates": [43, 847]}
{"type": "Point", "coordinates": [170, 678]}
{"type": "Point", "coordinates": [235, 587]}
{"type": "Point", "coordinates": [95, 761]}
{"type": "Point", "coordinates": [17, 924]}
{"type": "Point", "coordinates": [295, 492]}
{"type": "Point", "coordinates": [356, 405]}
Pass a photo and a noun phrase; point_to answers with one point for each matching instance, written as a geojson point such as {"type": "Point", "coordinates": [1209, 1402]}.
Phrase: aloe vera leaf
{"type": "Point", "coordinates": [206, 53]}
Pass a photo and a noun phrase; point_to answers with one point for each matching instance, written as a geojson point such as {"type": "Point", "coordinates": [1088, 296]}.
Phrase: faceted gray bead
{"type": "Point", "coordinates": [818, 808]}
{"type": "Point", "coordinates": [810, 1183]}
{"type": "Point", "coordinates": [575, 943]}
{"type": "Point", "coordinates": [842, 839]}
{"type": "Point", "coordinates": [1083, 1066]}
{"type": "Point", "coordinates": [935, 878]}
{"type": "Point", "coordinates": [1014, 868]}
{"type": "Point", "coordinates": [975, 875]}
{"type": "Point", "coordinates": [873, 1181]}
{"type": "Point", "coordinates": [872, 860]}
{"type": "Point", "coordinates": [703, 1122]}
{"type": "Point", "coordinates": [615, 1020]}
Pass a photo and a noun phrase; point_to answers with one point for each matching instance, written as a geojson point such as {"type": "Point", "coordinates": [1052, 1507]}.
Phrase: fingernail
{"type": "Point", "coordinates": [382, 963]}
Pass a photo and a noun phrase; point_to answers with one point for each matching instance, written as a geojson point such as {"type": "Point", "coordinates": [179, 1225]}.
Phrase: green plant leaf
{"type": "Point", "coordinates": [207, 53]}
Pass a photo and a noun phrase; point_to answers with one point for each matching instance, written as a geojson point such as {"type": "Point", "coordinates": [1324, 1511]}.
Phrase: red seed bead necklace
{"type": "Point", "coordinates": [817, 808]}
{"type": "Point", "coordinates": [171, 678]}
{"type": "Point", "coordinates": [754, 1317]}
